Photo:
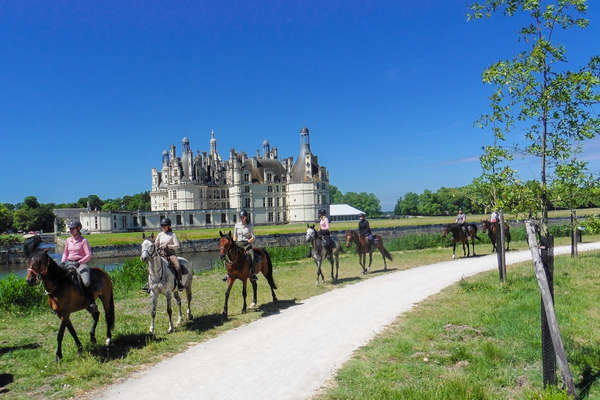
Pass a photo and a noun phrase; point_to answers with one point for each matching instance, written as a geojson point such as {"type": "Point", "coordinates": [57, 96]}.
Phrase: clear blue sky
{"type": "Point", "coordinates": [92, 92]}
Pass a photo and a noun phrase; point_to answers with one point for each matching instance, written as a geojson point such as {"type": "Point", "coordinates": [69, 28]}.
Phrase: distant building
{"type": "Point", "coordinates": [343, 212]}
{"type": "Point", "coordinates": [203, 190]}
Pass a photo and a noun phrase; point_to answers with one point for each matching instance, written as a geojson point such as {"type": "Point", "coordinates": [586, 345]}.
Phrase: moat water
{"type": "Point", "coordinates": [200, 262]}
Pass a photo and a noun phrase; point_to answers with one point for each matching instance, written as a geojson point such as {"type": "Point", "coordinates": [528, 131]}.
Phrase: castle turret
{"type": "Point", "coordinates": [266, 149]}
{"type": "Point", "coordinates": [172, 153]}
{"type": "Point", "coordinates": [213, 144]}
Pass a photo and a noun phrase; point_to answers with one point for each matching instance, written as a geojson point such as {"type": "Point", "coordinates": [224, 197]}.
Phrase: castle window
{"type": "Point", "coordinates": [191, 219]}
{"type": "Point", "coordinates": [246, 177]}
{"type": "Point", "coordinates": [223, 218]}
{"type": "Point", "coordinates": [269, 177]}
{"type": "Point", "coordinates": [96, 222]}
{"type": "Point", "coordinates": [208, 218]}
{"type": "Point", "coordinates": [264, 202]}
{"type": "Point", "coordinates": [174, 194]}
{"type": "Point", "coordinates": [283, 188]}
{"type": "Point", "coordinates": [143, 220]}
{"type": "Point", "coordinates": [270, 217]}
{"type": "Point", "coordinates": [277, 188]}
{"type": "Point", "coordinates": [135, 221]}
{"type": "Point", "coordinates": [278, 217]}
{"type": "Point", "coordinates": [283, 200]}
{"type": "Point", "coordinates": [234, 218]}
{"type": "Point", "coordinates": [178, 219]}
{"type": "Point", "coordinates": [270, 202]}
{"type": "Point", "coordinates": [270, 189]}
{"type": "Point", "coordinates": [247, 203]}
{"type": "Point", "coordinates": [277, 203]}
{"type": "Point", "coordinates": [246, 189]}
{"type": "Point", "coordinates": [174, 206]}
{"type": "Point", "coordinates": [284, 216]}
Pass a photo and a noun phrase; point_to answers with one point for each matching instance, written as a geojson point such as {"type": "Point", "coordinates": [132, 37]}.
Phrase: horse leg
{"type": "Point", "coordinates": [178, 300]}
{"type": "Point", "coordinates": [244, 283]}
{"type": "Point", "coordinates": [95, 315]}
{"type": "Point", "coordinates": [383, 256]}
{"type": "Point", "coordinates": [169, 312]}
{"type": "Point", "coordinates": [318, 263]}
{"type": "Point", "coordinates": [337, 265]}
{"type": "Point", "coordinates": [229, 284]}
{"type": "Point", "coordinates": [59, 338]}
{"type": "Point", "coordinates": [188, 294]}
{"type": "Point", "coordinates": [331, 261]}
{"type": "Point", "coordinates": [453, 250]}
{"type": "Point", "coordinates": [153, 312]}
{"type": "Point", "coordinates": [363, 262]}
{"type": "Point", "coordinates": [74, 334]}
{"type": "Point", "coordinates": [473, 242]}
{"type": "Point", "coordinates": [254, 287]}
{"type": "Point", "coordinates": [370, 258]}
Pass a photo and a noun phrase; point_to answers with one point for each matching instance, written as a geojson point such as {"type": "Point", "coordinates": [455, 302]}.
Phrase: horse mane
{"type": "Point", "coordinates": [54, 273]}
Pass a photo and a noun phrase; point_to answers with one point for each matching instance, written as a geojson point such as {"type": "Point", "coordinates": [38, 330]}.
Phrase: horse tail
{"type": "Point", "coordinates": [478, 238]}
{"type": "Point", "coordinates": [108, 302]}
{"type": "Point", "coordinates": [386, 253]}
{"type": "Point", "coordinates": [269, 274]}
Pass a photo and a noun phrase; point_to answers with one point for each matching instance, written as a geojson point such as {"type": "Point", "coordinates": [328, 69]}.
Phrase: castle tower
{"type": "Point", "coordinates": [187, 158]}
{"type": "Point", "coordinates": [266, 148]}
{"type": "Point", "coordinates": [172, 153]}
{"type": "Point", "coordinates": [213, 144]}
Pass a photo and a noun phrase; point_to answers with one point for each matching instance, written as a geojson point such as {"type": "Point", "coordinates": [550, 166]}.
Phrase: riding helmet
{"type": "Point", "coordinates": [322, 212]}
{"type": "Point", "coordinates": [243, 213]}
{"type": "Point", "coordinates": [74, 224]}
{"type": "Point", "coordinates": [165, 222]}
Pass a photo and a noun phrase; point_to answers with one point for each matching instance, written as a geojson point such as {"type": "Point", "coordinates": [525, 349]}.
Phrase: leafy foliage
{"type": "Point", "coordinates": [366, 202]}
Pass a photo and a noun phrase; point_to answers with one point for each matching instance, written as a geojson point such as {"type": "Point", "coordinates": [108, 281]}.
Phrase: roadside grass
{"type": "Point", "coordinates": [480, 339]}
{"type": "Point", "coordinates": [112, 239]}
{"type": "Point", "coordinates": [28, 335]}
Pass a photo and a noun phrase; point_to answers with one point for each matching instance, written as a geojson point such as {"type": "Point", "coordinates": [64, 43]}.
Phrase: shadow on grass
{"type": "Point", "coordinates": [274, 308]}
{"type": "Point", "coordinates": [4, 350]}
{"type": "Point", "coordinates": [383, 270]}
{"type": "Point", "coordinates": [204, 322]}
{"type": "Point", "coordinates": [587, 359]}
{"type": "Point", "coordinates": [345, 280]}
{"type": "Point", "coordinates": [5, 379]}
{"type": "Point", "coordinates": [122, 345]}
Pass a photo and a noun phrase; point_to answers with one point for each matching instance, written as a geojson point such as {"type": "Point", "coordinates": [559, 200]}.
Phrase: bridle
{"type": "Point", "coordinates": [40, 278]}
{"type": "Point", "coordinates": [226, 252]}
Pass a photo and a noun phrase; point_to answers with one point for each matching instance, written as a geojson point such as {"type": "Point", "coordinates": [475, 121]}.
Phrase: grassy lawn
{"type": "Point", "coordinates": [107, 239]}
{"type": "Point", "coordinates": [481, 340]}
{"type": "Point", "coordinates": [28, 339]}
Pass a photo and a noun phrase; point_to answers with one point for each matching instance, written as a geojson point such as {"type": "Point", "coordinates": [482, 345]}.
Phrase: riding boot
{"type": "Point", "coordinates": [308, 254]}
{"type": "Point", "coordinates": [253, 276]}
{"type": "Point", "coordinates": [146, 288]}
{"type": "Point", "coordinates": [90, 296]}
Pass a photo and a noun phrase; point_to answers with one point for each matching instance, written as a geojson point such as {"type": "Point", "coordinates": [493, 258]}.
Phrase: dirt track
{"type": "Point", "coordinates": [306, 343]}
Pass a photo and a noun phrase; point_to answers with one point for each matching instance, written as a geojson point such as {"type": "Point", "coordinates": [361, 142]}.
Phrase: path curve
{"type": "Point", "coordinates": [305, 344]}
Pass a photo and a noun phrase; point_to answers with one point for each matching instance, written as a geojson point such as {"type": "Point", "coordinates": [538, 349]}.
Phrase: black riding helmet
{"type": "Point", "coordinates": [322, 212]}
{"type": "Point", "coordinates": [243, 213]}
{"type": "Point", "coordinates": [165, 222]}
{"type": "Point", "coordinates": [74, 224]}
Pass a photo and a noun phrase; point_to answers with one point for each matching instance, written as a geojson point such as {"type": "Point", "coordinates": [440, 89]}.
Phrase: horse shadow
{"type": "Point", "coordinates": [122, 345]}
{"type": "Point", "coordinates": [383, 270]}
{"type": "Point", "coordinates": [345, 280]}
{"type": "Point", "coordinates": [587, 360]}
{"type": "Point", "coordinates": [274, 308]}
{"type": "Point", "coordinates": [4, 350]}
{"type": "Point", "coordinates": [204, 322]}
{"type": "Point", "coordinates": [5, 379]}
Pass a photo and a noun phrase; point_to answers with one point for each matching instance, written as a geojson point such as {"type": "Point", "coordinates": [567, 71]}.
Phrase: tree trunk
{"type": "Point", "coordinates": [502, 240]}
{"type": "Point", "coordinates": [573, 238]}
{"type": "Point", "coordinates": [542, 273]}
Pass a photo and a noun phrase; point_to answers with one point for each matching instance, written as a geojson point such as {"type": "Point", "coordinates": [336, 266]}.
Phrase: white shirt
{"type": "Point", "coordinates": [168, 239]}
{"type": "Point", "coordinates": [243, 232]}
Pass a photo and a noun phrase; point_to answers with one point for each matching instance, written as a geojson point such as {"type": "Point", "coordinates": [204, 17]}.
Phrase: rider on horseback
{"type": "Point", "coordinates": [243, 236]}
{"type": "Point", "coordinates": [167, 244]}
{"type": "Point", "coordinates": [461, 220]}
{"type": "Point", "coordinates": [364, 230]}
{"type": "Point", "coordinates": [324, 229]}
{"type": "Point", "coordinates": [77, 254]}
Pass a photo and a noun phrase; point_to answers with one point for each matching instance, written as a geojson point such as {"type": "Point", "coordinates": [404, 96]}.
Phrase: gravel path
{"type": "Point", "coordinates": [306, 343]}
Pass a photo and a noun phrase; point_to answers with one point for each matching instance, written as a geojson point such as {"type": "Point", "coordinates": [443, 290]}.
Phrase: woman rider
{"type": "Point", "coordinates": [364, 229]}
{"type": "Point", "coordinates": [324, 228]}
{"type": "Point", "coordinates": [243, 236]}
{"type": "Point", "coordinates": [77, 254]}
{"type": "Point", "coordinates": [167, 244]}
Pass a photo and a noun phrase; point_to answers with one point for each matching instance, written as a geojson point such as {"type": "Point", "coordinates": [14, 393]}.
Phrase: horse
{"type": "Point", "coordinates": [459, 235]}
{"type": "Point", "coordinates": [363, 247]}
{"type": "Point", "coordinates": [65, 298]}
{"type": "Point", "coordinates": [320, 252]}
{"type": "Point", "coordinates": [161, 280]}
{"type": "Point", "coordinates": [491, 228]}
{"type": "Point", "coordinates": [238, 267]}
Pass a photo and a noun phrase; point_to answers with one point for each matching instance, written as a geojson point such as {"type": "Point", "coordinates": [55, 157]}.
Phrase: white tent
{"type": "Point", "coordinates": [343, 212]}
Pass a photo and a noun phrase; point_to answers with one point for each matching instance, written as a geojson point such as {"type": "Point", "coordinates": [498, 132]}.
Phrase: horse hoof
{"type": "Point", "coordinates": [79, 350]}
{"type": "Point", "coordinates": [108, 342]}
{"type": "Point", "coordinates": [58, 357]}
{"type": "Point", "coordinates": [253, 305]}
{"type": "Point", "coordinates": [92, 339]}
{"type": "Point", "coordinates": [170, 330]}
{"type": "Point", "coordinates": [190, 316]}
{"type": "Point", "coordinates": [453, 256]}
{"type": "Point", "coordinates": [224, 316]}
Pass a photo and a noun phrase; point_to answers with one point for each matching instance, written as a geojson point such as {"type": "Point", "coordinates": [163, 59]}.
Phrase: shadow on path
{"type": "Point", "coordinates": [274, 308]}
{"type": "Point", "coordinates": [345, 280]}
{"type": "Point", "coordinates": [122, 345]}
{"type": "Point", "coordinates": [204, 322]}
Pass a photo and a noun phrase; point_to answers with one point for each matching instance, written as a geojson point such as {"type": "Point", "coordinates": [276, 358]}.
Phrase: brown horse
{"type": "Point", "coordinates": [238, 267]}
{"type": "Point", "coordinates": [64, 298]}
{"type": "Point", "coordinates": [491, 228]}
{"type": "Point", "coordinates": [363, 247]}
{"type": "Point", "coordinates": [461, 235]}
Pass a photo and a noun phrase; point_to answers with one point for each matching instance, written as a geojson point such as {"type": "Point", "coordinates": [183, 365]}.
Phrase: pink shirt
{"type": "Point", "coordinates": [324, 224]}
{"type": "Point", "coordinates": [77, 250]}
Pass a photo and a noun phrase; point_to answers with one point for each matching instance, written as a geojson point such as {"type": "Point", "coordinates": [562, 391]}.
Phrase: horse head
{"type": "Point", "coordinates": [225, 244]}
{"type": "Point", "coordinates": [148, 248]}
{"type": "Point", "coordinates": [484, 225]}
{"type": "Point", "coordinates": [310, 233]}
{"type": "Point", "coordinates": [349, 237]}
{"type": "Point", "coordinates": [445, 230]}
{"type": "Point", "coordinates": [37, 267]}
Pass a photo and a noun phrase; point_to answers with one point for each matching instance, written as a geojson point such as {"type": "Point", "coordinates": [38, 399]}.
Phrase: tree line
{"type": "Point", "coordinates": [366, 202]}
{"type": "Point", "coordinates": [31, 215]}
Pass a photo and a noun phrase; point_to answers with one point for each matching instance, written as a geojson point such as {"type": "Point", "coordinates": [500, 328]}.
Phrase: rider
{"type": "Point", "coordinates": [167, 244]}
{"type": "Point", "coordinates": [461, 220]}
{"type": "Point", "coordinates": [78, 253]}
{"type": "Point", "coordinates": [363, 228]}
{"type": "Point", "coordinates": [324, 229]}
{"type": "Point", "coordinates": [494, 217]}
{"type": "Point", "coordinates": [243, 236]}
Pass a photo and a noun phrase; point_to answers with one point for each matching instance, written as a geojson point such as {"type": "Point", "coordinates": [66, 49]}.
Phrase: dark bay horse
{"type": "Point", "coordinates": [64, 298]}
{"type": "Point", "coordinates": [238, 267]}
{"type": "Point", "coordinates": [320, 252]}
{"type": "Point", "coordinates": [463, 236]}
{"type": "Point", "coordinates": [491, 228]}
{"type": "Point", "coordinates": [363, 247]}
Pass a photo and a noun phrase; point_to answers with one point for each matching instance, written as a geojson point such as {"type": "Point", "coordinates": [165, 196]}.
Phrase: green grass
{"type": "Point", "coordinates": [111, 239]}
{"type": "Point", "coordinates": [481, 340]}
{"type": "Point", "coordinates": [28, 335]}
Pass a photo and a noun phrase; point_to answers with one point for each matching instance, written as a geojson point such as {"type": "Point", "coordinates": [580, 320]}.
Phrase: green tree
{"type": "Point", "coordinates": [335, 196]}
{"type": "Point", "coordinates": [6, 218]}
{"type": "Point", "coordinates": [407, 205]}
{"type": "Point", "coordinates": [367, 202]}
{"type": "Point", "coordinates": [31, 202]}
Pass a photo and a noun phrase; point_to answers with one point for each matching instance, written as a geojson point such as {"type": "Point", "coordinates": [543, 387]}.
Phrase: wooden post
{"type": "Point", "coordinates": [548, 306]}
{"type": "Point", "coordinates": [499, 253]}
{"type": "Point", "coordinates": [573, 238]}
{"type": "Point", "coordinates": [502, 240]}
{"type": "Point", "coordinates": [548, 353]}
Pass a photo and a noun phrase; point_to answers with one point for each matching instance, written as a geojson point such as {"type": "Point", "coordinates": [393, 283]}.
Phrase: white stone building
{"type": "Point", "coordinates": [203, 190]}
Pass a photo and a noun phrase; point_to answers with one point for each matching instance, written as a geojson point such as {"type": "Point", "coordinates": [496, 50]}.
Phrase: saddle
{"type": "Point", "coordinates": [74, 277]}
{"type": "Point", "coordinates": [171, 267]}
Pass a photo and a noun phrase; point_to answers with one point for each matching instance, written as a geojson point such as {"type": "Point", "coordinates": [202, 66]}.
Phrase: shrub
{"type": "Point", "coordinates": [131, 275]}
{"type": "Point", "coordinates": [10, 240]}
{"type": "Point", "coordinates": [17, 295]}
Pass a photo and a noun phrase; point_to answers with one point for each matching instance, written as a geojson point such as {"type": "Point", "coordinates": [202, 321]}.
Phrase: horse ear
{"type": "Point", "coordinates": [46, 250]}
{"type": "Point", "coordinates": [221, 233]}
{"type": "Point", "coordinates": [307, 225]}
{"type": "Point", "coordinates": [152, 236]}
{"type": "Point", "coordinates": [229, 233]}
{"type": "Point", "coordinates": [143, 236]}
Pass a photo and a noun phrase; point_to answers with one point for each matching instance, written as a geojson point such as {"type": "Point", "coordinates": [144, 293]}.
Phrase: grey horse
{"type": "Point", "coordinates": [320, 252]}
{"type": "Point", "coordinates": [162, 280]}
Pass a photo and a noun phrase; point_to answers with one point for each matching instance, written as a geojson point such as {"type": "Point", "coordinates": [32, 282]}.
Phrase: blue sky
{"type": "Point", "coordinates": [93, 92]}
